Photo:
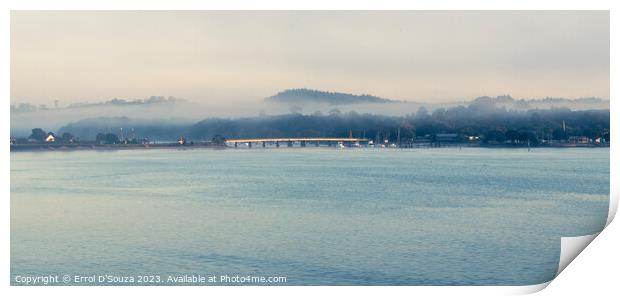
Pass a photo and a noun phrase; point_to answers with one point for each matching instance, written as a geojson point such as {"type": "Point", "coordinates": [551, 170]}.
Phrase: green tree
{"type": "Point", "coordinates": [108, 138]}
{"type": "Point", "coordinates": [38, 135]}
{"type": "Point", "coordinates": [559, 134]}
{"type": "Point", "coordinates": [67, 137]}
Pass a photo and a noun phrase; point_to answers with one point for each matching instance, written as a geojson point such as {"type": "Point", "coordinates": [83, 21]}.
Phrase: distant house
{"type": "Point", "coordinates": [579, 140]}
{"type": "Point", "coordinates": [50, 138]}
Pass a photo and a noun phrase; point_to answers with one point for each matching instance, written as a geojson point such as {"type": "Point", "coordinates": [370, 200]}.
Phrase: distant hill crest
{"type": "Point", "coordinates": [304, 95]}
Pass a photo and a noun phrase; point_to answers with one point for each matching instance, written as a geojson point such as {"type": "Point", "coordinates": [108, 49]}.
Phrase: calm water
{"type": "Point", "coordinates": [316, 216]}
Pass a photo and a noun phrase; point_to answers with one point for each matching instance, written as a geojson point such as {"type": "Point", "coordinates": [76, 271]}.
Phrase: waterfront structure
{"type": "Point", "coordinates": [302, 141]}
{"type": "Point", "coordinates": [579, 140]}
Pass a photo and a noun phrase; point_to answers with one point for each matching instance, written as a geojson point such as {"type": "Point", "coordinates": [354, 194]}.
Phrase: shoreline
{"type": "Point", "coordinates": [113, 147]}
{"type": "Point", "coordinates": [104, 147]}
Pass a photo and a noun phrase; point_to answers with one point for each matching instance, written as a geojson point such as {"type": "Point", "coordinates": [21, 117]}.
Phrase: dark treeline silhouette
{"type": "Point", "coordinates": [488, 122]}
{"type": "Point", "coordinates": [498, 126]}
{"type": "Point", "coordinates": [38, 135]}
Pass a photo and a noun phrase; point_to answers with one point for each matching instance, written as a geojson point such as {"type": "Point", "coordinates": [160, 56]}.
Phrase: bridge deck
{"type": "Point", "coordinates": [297, 139]}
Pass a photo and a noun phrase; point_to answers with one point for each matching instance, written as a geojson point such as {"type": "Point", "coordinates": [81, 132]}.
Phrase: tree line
{"type": "Point", "coordinates": [488, 122]}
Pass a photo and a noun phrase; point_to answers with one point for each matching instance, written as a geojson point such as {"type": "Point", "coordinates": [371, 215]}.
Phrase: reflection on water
{"type": "Point", "coordinates": [316, 216]}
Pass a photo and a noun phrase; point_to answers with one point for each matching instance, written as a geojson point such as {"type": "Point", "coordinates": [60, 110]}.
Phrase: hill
{"type": "Point", "coordinates": [303, 95]}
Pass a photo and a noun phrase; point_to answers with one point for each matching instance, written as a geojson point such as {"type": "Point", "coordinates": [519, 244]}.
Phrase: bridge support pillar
{"type": "Point", "coordinates": [317, 143]}
{"type": "Point", "coordinates": [235, 144]}
{"type": "Point", "coordinates": [263, 144]}
{"type": "Point", "coordinates": [249, 144]}
{"type": "Point", "coordinates": [289, 144]}
{"type": "Point", "coordinates": [303, 143]}
{"type": "Point", "coordinates": [277, 144]}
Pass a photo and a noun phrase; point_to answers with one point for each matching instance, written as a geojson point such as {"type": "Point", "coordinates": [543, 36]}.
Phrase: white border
{"type": "Point", "coordinates": [310, 5]}
{"type": "Point", "coordinates": [293, 5]}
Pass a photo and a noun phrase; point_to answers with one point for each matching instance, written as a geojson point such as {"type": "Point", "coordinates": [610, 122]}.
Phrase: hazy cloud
{"type": "Point", "coordinates": [234, 57]}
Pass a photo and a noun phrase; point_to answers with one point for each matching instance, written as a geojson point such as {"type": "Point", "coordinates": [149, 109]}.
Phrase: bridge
{"type": "Point", "coordinates": [290, 141]}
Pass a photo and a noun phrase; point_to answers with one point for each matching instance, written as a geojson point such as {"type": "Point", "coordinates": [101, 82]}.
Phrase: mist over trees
{"type": "Point", "coordinates": [26, 107]}
{"type": "Point", "coordinates": [488, 121]}
{"type": "Point", "coordinates": [493, 119]}
{"type": "Point", "coordinates": [491, 125]}
{"type": "Point", "coordinates": [165, 117]}
{"type": "Point", "coordinates": [302, 96]}
{"type": "Point", "coordinates": [164, 130]}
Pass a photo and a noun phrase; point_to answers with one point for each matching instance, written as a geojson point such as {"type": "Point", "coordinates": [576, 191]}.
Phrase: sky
{"type": "Point", "coordinates": [239, 56]}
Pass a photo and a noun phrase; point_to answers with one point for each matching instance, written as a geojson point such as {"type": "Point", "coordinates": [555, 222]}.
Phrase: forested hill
{"type": "Point", "coordinates": [302, 95]}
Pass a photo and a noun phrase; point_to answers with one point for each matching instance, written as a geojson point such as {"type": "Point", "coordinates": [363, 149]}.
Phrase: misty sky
{"type": "Point", "coordinates": [245, 56]}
